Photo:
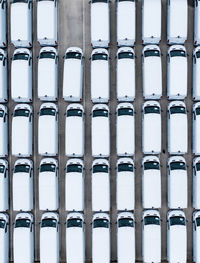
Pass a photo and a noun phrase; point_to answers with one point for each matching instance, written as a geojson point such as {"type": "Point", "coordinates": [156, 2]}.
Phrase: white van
{"type": "Point", "coordinates": [49, 238]}
{"type": "Point", "coordinates": [177, 25]}
{"type": "Point", "coordinates": [73, 74]}
{"type": "Point", "coordinates": [74, 185]}
{"type": "Point", "coordinates": [21, 23]}
{"type": "Point", "coordinates": [4, 185]}
{"type": "Point", "coordinates": [151, 128]}
{"type": "Point", "coordinates": [125, 74]}
{"type": "Point", "coordinates": [151, 182]}
{"type": "Point", "coordinates": [100, 185]}
{"type": "Point", "coordinates": [100, 23]}
{"type": "Point", "coordinates": [176, 236]}
{"type": "Point", "coordinates": [126, 22]}
{"type": "Point", "coordinates": [151, 21]}
{"type": "Point", "coordinates": [125, 237]}
{"type": "Point", "coordinates": [151, 236]}
{"type": "Point", "coordinates": [152, 72]}
{"type": "Point", "coordinates": [125, 132]}
{"type": "Point", "coordinates": [75, 238]}
{"type": "Point", "coordinates": [196, 183]}
{"type": "Point", "coordinates": [23, 238]}
{"type": "Point", "coordinates": [100, 76]}
{"type": "Point", "coordinates": [21, 75]}
{"type": "Point", "coordinates": [3, 131]}
{"type": "Point", "coordinates": [196, 128]}
{"type": "Point", "coordinates": [177, 72]}
{"type": "Point", "coordinates": [196, 236]}
{"type": "Point", "coordinates": [4, 238]}
{"type": "Point", "coordinates": [74, 130]}
{"type": "Point", "coordinates": [48, 184]}
{"type": "Point", "coordinates": [125, 185]}
{"type": "Point", "coordinates": [22, 144]}
{"type": "Point", "coordinates": [48, 74]}
{"type": "Point", "coordinates": [22, 185]}
{"type": "Point", "coordinates": [47, 22]}
{"type": "Point", "coordinates": [3, 76]}
{"type": "Point", "coordinates": [3, 32]}
{"type": "Point", "coordinates": [101, 238]}
{"type": "Point", "coordinates": [177, 128]}
{"type": "Point", "coordinates": [196, 74]}
{"type": "Point", "coordinates": [48, 130]}
{"type": "Point", "coordinates": [196, 22]}
{"type": "Point", "coordinates": [177, 183]}
{"type": "Point", "coordinates": [100, 131]}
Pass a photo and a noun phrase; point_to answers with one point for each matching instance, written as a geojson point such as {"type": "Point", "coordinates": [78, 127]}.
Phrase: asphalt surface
{"type": "Point", "coordinates": [74, 30]}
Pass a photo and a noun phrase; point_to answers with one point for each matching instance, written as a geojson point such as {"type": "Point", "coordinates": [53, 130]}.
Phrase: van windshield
{"type": "Point", "coordinates": [74, 112]}
{"type": "Point", "coordinates": [21, 56]}
{"type": "Point", "coordinates": [1, 56]}
{"type": "Point", "coordinates": [198, 166]}
{"type": "Point", "coordinates": [198, 54]}
{"type": "Point", "coordinates": [22, 223]}
{"type": "Point", "coordinates": [177, 109]}
{"type": "Point", "coordinates": [178, 53]}
{"type": "Point", "coordinates": [74, 168]}
{"type": "Point", "coordinates": [100, 113]}
{"type": "Point", "coordinates": [47, 167]}
{"type": "Point", "coordinates": [125, 111]}
{"type": "Point", "coordinates": [151, 220]}
{"type": "Point", "coordinates": [47, 55]}
{"type": "Point", "coordinates": [177, 220]}
{"type": "Point", "coordinates": [125, 167]}
{"type": "Point", "coordinates": [75, 222]}
{"type": "Point", "coordinates": [198, 221]}
{"type": "Point", "coordinates": [101, 223]}
{"type": "Point", "coordinates": [49, 222]}
{"type": "Point", "coordinates": [151, 165]}
{"type": "Point", "coordinates": [197, 111]}
{"type": "Point", "coordinates": [152, 53]}
{"type": "Point", "coordinates": [125, 55]}
{"type": "Point", "coordinates": [100, 168]}
{"type": "Point", "coordinates": [152, 109]}
{"type": "Point", "coordinates": [99, 1]}
{"type": "Point", "coordinates": [21, 112]}
{"type": "Point", "coordinates": [1, 113]}
{"type": "Point", "coordinates": [75, 55]}
{"type": "Point", "coordinates": [2, 168]}
{"type": "Point", "coordinates": [100, 57]}
{"type": "Point", "coordinates": [123, 222]}
{"type": "Point", "coordinates": [177, 166]}
{"type": "Point", "coordinates": [47, 111]}
{"type": "Point", "coordinates": [20, 1]}
{"type": "Point", "coordinates": [2, 223]}
{"type": "Point", "coordinates": [22, 168]}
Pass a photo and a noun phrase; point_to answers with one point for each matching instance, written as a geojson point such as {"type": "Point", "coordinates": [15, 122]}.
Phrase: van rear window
{"type": "Point", "coordinates": [100, 57]}
{"type": "Point", "coordinates": [75, 55]}
{"type": "Point", "coordinates": [101, 223]}
{"type": "Point", "coordinates": [124, 111]}
{"type": "Point", "coordinates": [22, 168]}
{"type": "Point", "coordinates": [198, 166]}
{"type": "Point", "coordinates": [20, 1]}
{"type": "Point", "coordinates": [100, 113]}
{"type": "Point", "coordinates": [100, 168]}
{"type": "Point", "coordinates": [177, 220]}
{"type": "Point", "coordinates": [151, 220]}
{"type": "Point", "coordinates": [1, 113]}
{"type": "Point", "coordinates": [151, 165]}
{"type": "Point", "coordinates": [47, 55]}
{"type": "Point", "coordinates": [197, 111]}
{"type": "Point", "coordinates": [22, 223]}
{"type": "Point", "coordinates": [177, 166]}
{"type": "Point", "coordinates": [2, 223]}
{"type": "Point", "coordinates": [99, 1]}
{"type": "Point", "coordinates": [177, 109]}
{"type": "Point", "coordinates": [74, 112]}
{"type": "Point", "coordinates": [49, 222]}
{"type": "Point", "coordinates": [125, 55]}
{"type": "Point", "coordinates": [21, 56]}
{"type": "Point", "coordinates": [74, 168]}
{"type": "Point", "coordinates": [47, 167]}
{"type": "Point", "coordinates": [152, 109]}
{"type": "Point", "coordinates": [178, 53]}
{"type": "Point", "coordinates": [1, 56]}
{"type": "Point", "coordinates": [74, 223]}
{"type": "Point", "coordinates": [48, 111]}
{"type": "Point", "coordinates": [125, 222]}
{"type": "Point", "coordinates": [21, 112]}
{"type": "Point", "coordinates": [152, 53]}
{"type": "Point", "coordinates": [125, 167]}
{"type": "Point", "coordinates": [198, 54]}
{"type": "Point", "coordinates": [198, 221]}
{"type": "Point", "coordinates": [2, 167]}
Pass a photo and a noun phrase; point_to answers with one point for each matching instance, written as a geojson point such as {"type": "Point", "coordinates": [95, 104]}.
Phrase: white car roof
{"type": "Point", "coordinates": [22, 51]}
{"type": "Point", "coordinates": [99, 51]}
{"type": "Point", "coordinates": [75, 106]}
{"type": "Point", "coordinates": [150, 158]}
{"type": "Point", "coordinates": [177, 47]}
{"type": "Point", "coordinates": [74, 49]}
{"type": "Point", "coordinates": [124, 105]}
{"type": "Point", "coordinates": [49, 105]}
{"type": "Point", "coordinates": [48, 49]}
{"type": "Point", "coordinates": [50, 215]}
{"type": "Point", "coordinates": [125, 215]}
{"type": "Point", "coordinates": [75, 215]}
{"type": "Point", "coordinates": [125, 49]}
{"type": "Point", "coordinates": [125, 160]}
{"type": "Point", "coordinates": [100, 107]}
{"type": "Point", "coordinates": [176, 103]}
{"type": "Point", "coordinates": [75, 161]}
{"type": "Point", "coordinates": [151, 103]}
{"type": "Point", "coordinates": [101, 216]}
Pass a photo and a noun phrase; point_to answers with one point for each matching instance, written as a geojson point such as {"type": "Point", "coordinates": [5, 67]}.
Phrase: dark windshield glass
{"type": "Point", "coordinates": [125, 167]}
{"type": "Point", "coordinates": [198, 111]}
{"type": "Point", "coordinates": [2, 223]}
{"type": "Point", "coordinates": [20, 1]}
{"type": "Point", "coordinates": [74, 223]}
{"type": "Point", "coordinates": [125, 222]}
{"type": "Point", "coordinates": [47, 167]}
{"type": "Point", "coordinates": [177, 109]}
{"type": "Point", "coordinates": [100, 168]}
{"type": "Point", "coordinates": [125, 55]}
{"type": "Point", "coordinates": [152, 220]}
{"type": "Point", "coordinates": [20, 56]}
{"type": "Point", "coordinates": [198, 221]}
{"type": "Point", "coordinates": [177, 166]}
{"type": "Point", "coordinates": [21, 112]}
{"type": "Point", "coordinates": [22, 223]}
{"type": "Point", "coordinates": [100, 57]}
{"type": "Point", "coordinates": [1, 113]}
{"type": "Point", "coordinates": [124, 111]}
{"type": "Point", "coordinates": [75, 55]}
{"type": "Point", "coordinates": [177, 220]}
{"type": "Point", "coordinates": [151, 165]}
{"type": "Point", "coordinates": [198, 166]}
{"type": "Point", "coordinates": [74, 168]}
{"type": "Point", "coordinates": [49, 222]}
{"type": "Point", "coordinates": [198, 54]}
{"type": "Point", "coordinates": [101, 223]}
{"type": "Point", "coordinates": [100, 113]}
{"type": "Point", "coordinates": [99, 1]}
{"type": "Point", "coordinates": [152, 109]}
{"type": "Point", "coordinates": [2, 168]}
{"type": "Point", "coordinates": [48, 111]}
{"type": "Point", "coordinates": [74, 112]}
{"type": "Point", "coordinates": [48, 55]}
{"type": "Point", "coordinates": [177, 53]}
{"type": "Point", "coordinates": [1, 56]}
{"type": "Point", "coordinates": [152, 53]}
{"type": "Point", "coordinates": [22, 168]}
